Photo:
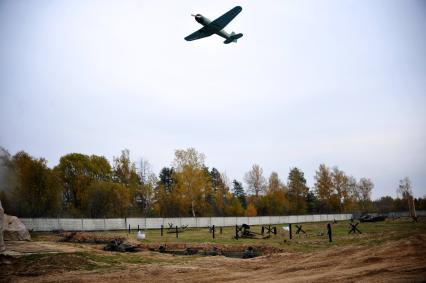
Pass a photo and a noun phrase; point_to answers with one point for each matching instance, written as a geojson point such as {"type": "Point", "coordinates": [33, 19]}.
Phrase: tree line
{"type": "Point", "coordinates": [89, 186]}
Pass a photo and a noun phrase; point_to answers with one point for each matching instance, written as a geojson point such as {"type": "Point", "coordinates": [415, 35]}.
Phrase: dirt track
{"type": "Point", "coordinates": [395, 261]}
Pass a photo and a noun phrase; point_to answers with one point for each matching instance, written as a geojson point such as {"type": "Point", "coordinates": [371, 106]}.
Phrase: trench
{"type": "Point", "coordinates": [248, 253]}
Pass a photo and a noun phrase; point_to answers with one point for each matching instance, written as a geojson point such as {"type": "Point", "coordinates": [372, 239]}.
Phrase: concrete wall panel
{"type": "Point", "coordinates": [93, 224]}
{"type": "Point", "coordinates": [191, 222]}
{"type": "Point", "coordinates": [45, 224]}
{"type": "Point", "coordinates": [292, 219]}
{"type": "Point", "coordinates": [203, 221]}
{"type": "Point", "coordinates": [284, 219]}
{"type": "Point", "coordinates": [217, 221]}
{"type": "Point", "coordinates": [116, 224]}
{"type": "Point", "coordinates": [274, 219]}
{"type": "Point", "coordinates": [254, 221]}
{"type": "Point", "coordinates": [230, 221]}
{"type": "Point", "coordinates": [134, 222]}
{"type": "Point", "coordinates": [154, 223]}
{"type": "Point", "coordinates": [242, 220]}
{"type": "Point", "coordinates": [299, 218]}
{"type": "Point", "coordinates": [264, 220]}
{"type": "Point", "coordinates": [172, 221]}
{"type": "Point", "coordinates": [309, 218]}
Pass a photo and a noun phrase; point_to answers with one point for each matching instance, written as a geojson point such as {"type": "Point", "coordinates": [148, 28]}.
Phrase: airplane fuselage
{"type": "Point", "coordinates": [213, 28]}
{"type": "Point", "coordinates": [216, 27]}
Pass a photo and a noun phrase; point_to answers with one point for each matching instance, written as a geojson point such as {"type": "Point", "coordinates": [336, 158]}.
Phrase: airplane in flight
{"type": "Point", "coordinates": [216, 27]}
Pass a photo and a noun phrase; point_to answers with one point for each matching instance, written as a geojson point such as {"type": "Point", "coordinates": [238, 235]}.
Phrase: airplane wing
{"type": "Point", "coordinates": [221, 22]}
{"type": "Point", "coordinates": [203, 32]}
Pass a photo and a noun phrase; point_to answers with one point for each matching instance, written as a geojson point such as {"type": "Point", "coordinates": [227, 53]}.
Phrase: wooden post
{"type": "Point", "coordinates": [412, 208]}
{"type": "Point", "coordinates": [138, 228]}
{"type": "Point", "coordinates": [161, 229]}
{"type": "Point", "coordinates": [289, 230]}
{"type": "Point", "coordinates": [263, 230]}
{"type": "Point", "coordinates": [129, 228]}
{"type": "Point", "coordinates": [329, 232]}
{"type": "Point", "coordinates": [275, 230]}
{"type": "Point", "coordinates": [269, 230]}
{"type": "Point", "coordinates": [236, 232]}
{"type": "Point", "coordinates": [221, 230]}
{"type": "Point", "coordinates": [177, 232]}
{"type": "Point", "coordinates": [213, 228]}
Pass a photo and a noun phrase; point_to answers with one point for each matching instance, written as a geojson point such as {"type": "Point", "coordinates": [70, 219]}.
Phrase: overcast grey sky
{"type": "Point", "coordinates": [335, 82]}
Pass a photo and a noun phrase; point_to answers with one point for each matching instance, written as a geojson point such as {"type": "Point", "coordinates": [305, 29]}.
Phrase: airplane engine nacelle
{"type": "Point", "coordinates": [201, 19]}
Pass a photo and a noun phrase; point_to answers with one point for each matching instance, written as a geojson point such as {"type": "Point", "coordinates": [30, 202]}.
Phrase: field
{"type": "Point", "coordinates": [393, 251]}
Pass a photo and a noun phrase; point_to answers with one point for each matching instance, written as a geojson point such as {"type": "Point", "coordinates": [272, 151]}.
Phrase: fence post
{"type": "Point", "coordinates": [161, 229]}
{"type": "Point", "coordinates": [289, 230]}
{"type": "Point", "coordinates": [213, 231]}
{"type": "Point", "coordinates": [177, 232]}
{"type": "Point", "coordinates": [329, 232]}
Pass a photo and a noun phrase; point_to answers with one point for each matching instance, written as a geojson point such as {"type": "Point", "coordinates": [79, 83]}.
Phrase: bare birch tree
{"type": "Point", "coordinates": [255, 181]}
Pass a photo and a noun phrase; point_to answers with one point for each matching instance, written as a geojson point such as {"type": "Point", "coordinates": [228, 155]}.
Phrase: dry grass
{"type": "Point", "coordinates": [385, 251]}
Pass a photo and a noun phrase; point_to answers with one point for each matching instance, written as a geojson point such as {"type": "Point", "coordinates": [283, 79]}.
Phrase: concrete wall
{"type": "Point", "coordinates": [88, 224]}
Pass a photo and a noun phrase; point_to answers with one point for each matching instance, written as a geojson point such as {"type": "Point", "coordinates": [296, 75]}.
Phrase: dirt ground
{"type": "Point", "coordinates": [400, 260]}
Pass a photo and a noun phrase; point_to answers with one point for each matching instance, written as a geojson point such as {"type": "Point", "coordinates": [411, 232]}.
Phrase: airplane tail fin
{"type": "Point", "coordinates": [233, 37]}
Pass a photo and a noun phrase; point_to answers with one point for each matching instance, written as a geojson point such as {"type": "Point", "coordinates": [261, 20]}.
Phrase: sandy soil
{"type": "Point", "coordinates": [397, 261]}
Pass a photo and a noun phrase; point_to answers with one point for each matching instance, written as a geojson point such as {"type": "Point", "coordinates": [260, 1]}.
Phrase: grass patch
{"type": "Point", "coordinates": [116, 258]}
{"type": "Point", "coordinates": [315, 238]}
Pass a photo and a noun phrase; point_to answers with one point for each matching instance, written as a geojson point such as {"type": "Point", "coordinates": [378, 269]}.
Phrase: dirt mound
{"type": "Point", "coordinates": [80, 237]}
{"type": "Point", "coordinates": [396, 261]}
{"type": "Point", "coordinates": [401, 260]}
{"type": "Point", "coordinates": [26, 248]}
{"type": "Point", "coordinates": [391, 261]}
{"type": "Point", "coordinates": [41, 264]}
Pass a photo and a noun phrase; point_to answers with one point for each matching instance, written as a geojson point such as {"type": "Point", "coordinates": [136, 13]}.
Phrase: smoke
{"type": "Point", "coordinates": [7, 173]}
{"type": "Point", "coordinates": [8, 180]}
